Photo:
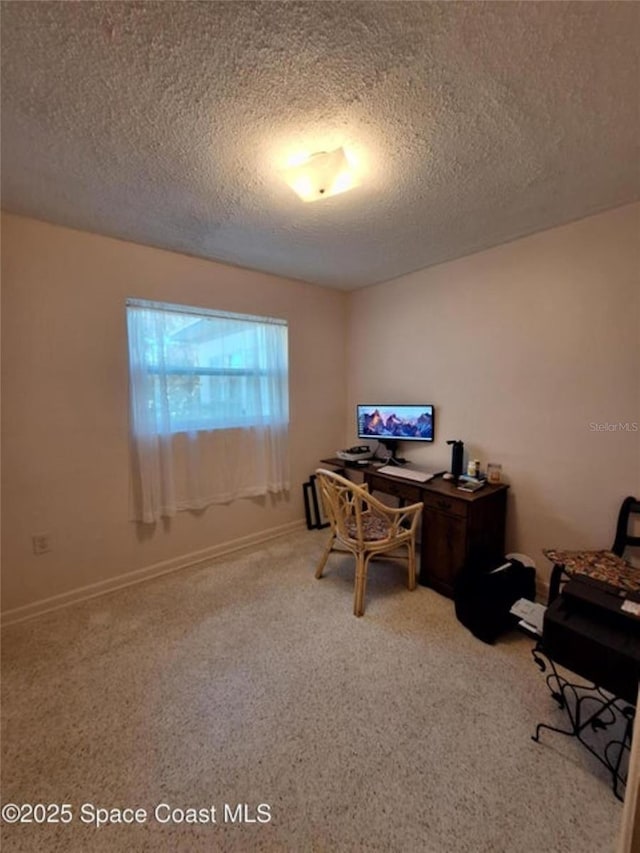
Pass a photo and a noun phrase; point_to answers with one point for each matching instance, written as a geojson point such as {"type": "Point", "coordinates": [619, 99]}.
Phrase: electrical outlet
{"type": "Point", "coordinates": [41, 543]}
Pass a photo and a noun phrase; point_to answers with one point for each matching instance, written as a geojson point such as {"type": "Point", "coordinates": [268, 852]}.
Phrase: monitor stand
{"type": "Point", "coordinates": [391, 444]}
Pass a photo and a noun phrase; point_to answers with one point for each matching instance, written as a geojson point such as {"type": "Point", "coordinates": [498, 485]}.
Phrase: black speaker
{"type": "Point", "coordinates": [483, 599]}
{"type": "Point", "coordinates": [457, 452]}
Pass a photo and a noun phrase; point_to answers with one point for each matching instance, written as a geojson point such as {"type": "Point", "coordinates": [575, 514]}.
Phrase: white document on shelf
{"type": "Point", "coordinates": [632, 607]}
{"type": "Point", "coordinates": [531, 628]}
{"type": "Point", "coordinates": [530, 612]}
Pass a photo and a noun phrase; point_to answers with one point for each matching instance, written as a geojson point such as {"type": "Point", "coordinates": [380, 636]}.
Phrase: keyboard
{"type": "Point", "coordinates": [406, 473]}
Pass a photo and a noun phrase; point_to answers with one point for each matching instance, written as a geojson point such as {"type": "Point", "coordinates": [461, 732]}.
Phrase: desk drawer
{"type": "Point", "coordinates": [408, 491]}
{"type": "Point", "coordinates": [443, 503]}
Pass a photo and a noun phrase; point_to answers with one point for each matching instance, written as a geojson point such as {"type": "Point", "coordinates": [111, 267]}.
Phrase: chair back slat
{"type": "Point", "coordinates": [624, 539]}
{"type": "Point", "coordinates": [343, 503]}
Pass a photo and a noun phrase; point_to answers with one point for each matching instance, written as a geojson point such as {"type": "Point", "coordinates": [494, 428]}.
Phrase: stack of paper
{"type": "Point", "coordinates": [531, 614]}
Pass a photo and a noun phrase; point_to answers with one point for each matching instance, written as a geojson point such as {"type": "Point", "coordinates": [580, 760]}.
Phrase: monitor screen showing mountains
{"type": "Point", "coordinates": [396, 422]}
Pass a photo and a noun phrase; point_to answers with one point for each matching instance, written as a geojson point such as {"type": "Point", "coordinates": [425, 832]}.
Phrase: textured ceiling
{"type": "Point", "coordinates": [472, 123]}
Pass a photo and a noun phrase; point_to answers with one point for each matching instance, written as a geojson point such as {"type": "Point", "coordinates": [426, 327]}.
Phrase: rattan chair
{"type": "Point", "coordinates": [365, 527]}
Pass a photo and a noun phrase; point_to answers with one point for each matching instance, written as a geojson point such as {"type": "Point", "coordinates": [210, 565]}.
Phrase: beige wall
{"type": "Point", "coordinates": [521, 348]}
{"type": "Point", "coordinates": [64, 415]}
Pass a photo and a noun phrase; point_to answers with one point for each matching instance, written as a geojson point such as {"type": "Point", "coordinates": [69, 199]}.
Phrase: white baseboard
{"type": "Point", "coordinates": [84, 593]}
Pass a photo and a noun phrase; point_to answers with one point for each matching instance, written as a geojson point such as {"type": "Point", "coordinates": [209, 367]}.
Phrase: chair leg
{"type": "Point", "coordinates": [554, 582]}
{"type": "Point", "coordinates": [411, 583]}
{"type": "Point", "coordinates": [361, 583]}
{"type": "Point", "coordinates": [325, 556]}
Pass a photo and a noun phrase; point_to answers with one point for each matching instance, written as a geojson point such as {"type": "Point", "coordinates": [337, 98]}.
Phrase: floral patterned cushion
{"type": "Point", "coordinates": [602, 565]}
{"type": "Point", "coordinates": [374, 527]}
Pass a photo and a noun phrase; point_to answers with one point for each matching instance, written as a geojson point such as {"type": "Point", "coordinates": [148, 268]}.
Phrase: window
{"type": "Point", "coordinates": [200, 369]}
{"type": "Point", "coordinates": [209, 407]}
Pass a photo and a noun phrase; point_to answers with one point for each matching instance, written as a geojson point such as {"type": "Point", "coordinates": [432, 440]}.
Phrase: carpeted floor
{"type": "Point", "coordinates": [250, 682]}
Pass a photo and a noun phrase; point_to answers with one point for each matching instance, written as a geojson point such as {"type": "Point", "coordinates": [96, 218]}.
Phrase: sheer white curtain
{"type": "Point", "coordinates": [209, 407]}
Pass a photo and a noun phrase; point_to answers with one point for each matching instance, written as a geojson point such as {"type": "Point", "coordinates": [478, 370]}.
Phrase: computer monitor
{"type": "Point", "coordinates": [392, 423]}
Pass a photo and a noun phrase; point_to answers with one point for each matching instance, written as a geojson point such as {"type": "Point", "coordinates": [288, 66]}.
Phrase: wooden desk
{"type": "Point", "coordinates": [458, 528]}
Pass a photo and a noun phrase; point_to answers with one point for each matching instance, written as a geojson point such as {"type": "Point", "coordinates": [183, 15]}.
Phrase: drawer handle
{"type": "Point", "coordinates": [444, 505]}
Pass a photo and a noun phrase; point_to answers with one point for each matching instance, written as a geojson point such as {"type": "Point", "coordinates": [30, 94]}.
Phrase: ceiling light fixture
{"type": "Point", "coordinates": [321, 175]}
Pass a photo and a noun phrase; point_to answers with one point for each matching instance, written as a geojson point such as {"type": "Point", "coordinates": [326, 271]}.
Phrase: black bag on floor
{"type": "Point", "coordinates": [483, 599]}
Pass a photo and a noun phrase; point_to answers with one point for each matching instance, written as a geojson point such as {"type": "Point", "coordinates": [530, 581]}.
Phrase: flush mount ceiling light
{"type": "Point", "coordinates": [321, 175]}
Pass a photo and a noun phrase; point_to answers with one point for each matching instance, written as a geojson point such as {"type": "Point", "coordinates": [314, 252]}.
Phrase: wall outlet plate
{"type": "Point", "coordinates": [41, 543]}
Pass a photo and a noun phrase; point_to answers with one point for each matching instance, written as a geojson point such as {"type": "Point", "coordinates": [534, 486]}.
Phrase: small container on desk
{"type": "Point", "coordinates": [494, 473]}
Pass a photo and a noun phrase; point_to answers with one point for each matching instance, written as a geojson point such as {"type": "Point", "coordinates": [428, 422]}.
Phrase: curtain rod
{"type": "Point", "coordinates": [170, 308]}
